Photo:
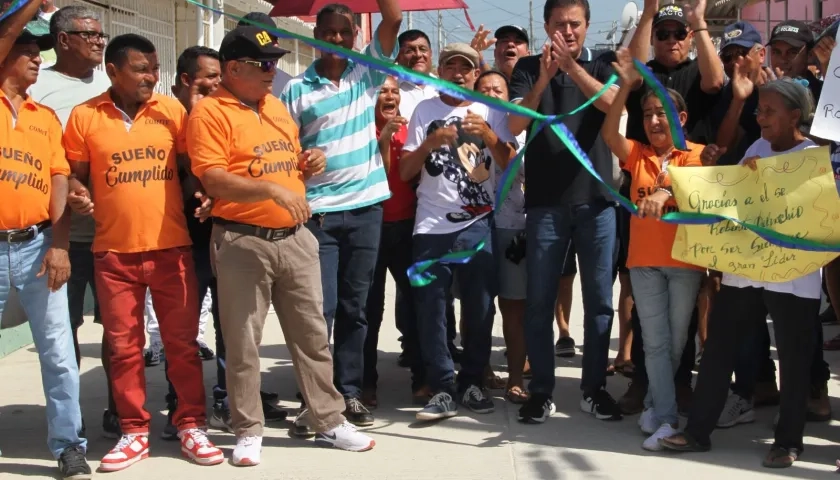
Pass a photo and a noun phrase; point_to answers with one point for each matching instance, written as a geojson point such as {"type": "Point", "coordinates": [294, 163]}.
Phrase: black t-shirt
{"type": "Point", "coordinates": [747, 122]}
{"type": "Point", "coordinates": [199, 232]}
{"type": "Point", "coordinates": [685, 79]}
{"type": "Point", "coordinates": [554, 176]}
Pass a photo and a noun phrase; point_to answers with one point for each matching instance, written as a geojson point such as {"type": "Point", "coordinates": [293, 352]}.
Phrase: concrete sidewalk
{"type": "Point", "coordinates": [570, 445]}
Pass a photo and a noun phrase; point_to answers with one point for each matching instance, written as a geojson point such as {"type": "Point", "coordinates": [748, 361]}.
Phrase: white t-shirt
{"type": "Point", "coordinates": [63, 93]}
{"type": "Point", "coordinates": [411, 95]}
{"type": "Point", "coordinates": [511, 213]}
{"type": "Point", "coordinates": [456, 184]}
{"type": "Point", "coordinates": [809, 286]}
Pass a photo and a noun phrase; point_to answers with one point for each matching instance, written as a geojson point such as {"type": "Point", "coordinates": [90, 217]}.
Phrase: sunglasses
{"type": "Point", "coordinates": [679, 35]}
{"type": "Point", "coordinates": [265, 65]}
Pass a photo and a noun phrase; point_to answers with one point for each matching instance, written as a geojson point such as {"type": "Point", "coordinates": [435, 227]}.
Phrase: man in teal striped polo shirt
{"type": "Point", "coordinates": [333, 104]}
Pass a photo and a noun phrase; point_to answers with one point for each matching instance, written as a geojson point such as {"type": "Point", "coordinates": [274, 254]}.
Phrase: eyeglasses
{"type": "Point", "coordinates": [90, 35]}
{"type": "Point", "coordinates": [679, 35]}
{"type": "Point", "coordinates": [265, 65]}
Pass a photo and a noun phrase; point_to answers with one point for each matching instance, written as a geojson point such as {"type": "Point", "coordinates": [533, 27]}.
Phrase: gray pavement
{"type": "Point", "coordinates": [570, 445]}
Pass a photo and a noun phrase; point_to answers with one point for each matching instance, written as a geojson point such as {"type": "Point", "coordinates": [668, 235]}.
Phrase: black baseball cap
{"type": "Point", "coordinates": [37, 31]}
{"type": "Point", "coordinates": [514, 29]}
{"type": "Point", "coordinates": [250, 42]}
{"type": "Point", "coordinates": [259, 18]}
{"type": "Point", "coordinates": [792, 32]}
{"type": "Point", "coordinates": [670, 13]}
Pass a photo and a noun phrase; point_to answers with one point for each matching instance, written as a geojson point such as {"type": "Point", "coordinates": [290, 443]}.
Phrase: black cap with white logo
{"type": "Point", "coordinates": [792, 32]}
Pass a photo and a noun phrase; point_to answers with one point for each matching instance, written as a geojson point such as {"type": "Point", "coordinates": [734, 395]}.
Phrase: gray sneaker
{"type": "Point", "coordinates": [736, 411]}
{"type": "Point", "coordinates": [442, 405]}
{"type": "Point", "coordinates": [301, 428]}
{"type": "Point", "coordinates": [220, 420]}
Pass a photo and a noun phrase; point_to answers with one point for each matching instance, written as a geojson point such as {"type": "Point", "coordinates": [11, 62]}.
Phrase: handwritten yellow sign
{"type": "Point", "coordinates": [794, 194]}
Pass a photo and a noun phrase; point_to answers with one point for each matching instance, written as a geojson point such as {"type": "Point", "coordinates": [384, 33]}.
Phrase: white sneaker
{"type": "Point", "coordinates": [345, 437]}
{"type": "Point", "coordinates": [652, 442]}
{"type": "Point", "coordinates": [648, 422]}
{"type": "Point", "coordinates": [247, 451]}
{"type": "Point", "coordinates": [737, 410]}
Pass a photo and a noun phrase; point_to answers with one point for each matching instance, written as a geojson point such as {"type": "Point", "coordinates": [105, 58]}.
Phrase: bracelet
{"type": "Point", "coordinates": [670, 193]}
{"type": "Point", "coordinates": [701, 30]}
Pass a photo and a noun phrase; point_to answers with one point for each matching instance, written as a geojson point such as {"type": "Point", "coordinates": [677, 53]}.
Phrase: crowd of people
{"type": "Point", "coordinates": [247, 189]}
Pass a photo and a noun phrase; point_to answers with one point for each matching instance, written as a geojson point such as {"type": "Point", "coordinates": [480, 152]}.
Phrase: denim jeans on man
{"type": "Point", "coordinates": [348, 247]}
{"type": "Point", "coordinates": [478, 286]}
{"type": "Point", "coordinates": [665, 298]}
{"type": "Point", "coordinates": [49, 321]}
{"type": "Point", "coordinates": [548, 229]}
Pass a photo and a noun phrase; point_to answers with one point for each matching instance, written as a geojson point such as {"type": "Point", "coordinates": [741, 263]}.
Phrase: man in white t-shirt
{"type": "Point", "coordinates": [72, 80]}
{"type": "Point", "coordinates": [415, 53]}
{"type": "Point", "coordinates": [452, 145]}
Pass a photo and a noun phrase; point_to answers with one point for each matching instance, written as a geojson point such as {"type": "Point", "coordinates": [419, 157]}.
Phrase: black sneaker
{"type": "Point", "coordinates": [601, 405]}
{"type": "Point", "coordinates": [536, 409]}
{"type": "Point", "coordinates": [565, 347]}
{"type": "Point", "coordinates": [474, 399]}
{"type": "Point", "coordinates": [205, 353]}
{"type": "Point", "coordinates": [356, 413]}
{"type": "Point", "coordinates": [153, 357]}
{"type": "Point", "coordinates": [220, 419]}
{"type": "Point", "coordinates": [111, 425]}
{"type": "Point", "coordinates": [442, 405]}
{"type": "Point", "coordinates": [272, 397]}
{"type": "Point", "coordinates": [272, 413]}
{"type": "Point", "coordinates": [301, 428]}
{"type": "Point", "coordinates": [73, 465]}
{"type": "Point", "coordinates": [170, 431]}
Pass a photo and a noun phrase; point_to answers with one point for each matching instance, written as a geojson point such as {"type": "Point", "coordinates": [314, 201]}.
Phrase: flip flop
{"type": "Point", "coordinates": [690, 444]}
{"type": "Point", "coordinates": [833, 344]}
{"type": "Point", "coordinates": [517, 395]}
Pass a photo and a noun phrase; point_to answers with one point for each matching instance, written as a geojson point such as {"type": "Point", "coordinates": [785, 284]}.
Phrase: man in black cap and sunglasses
{"type": "Point", "coordinates": [260, 19]}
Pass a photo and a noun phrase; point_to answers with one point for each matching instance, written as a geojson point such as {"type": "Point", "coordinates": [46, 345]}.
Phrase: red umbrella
{"type": "Point", "coordinates": [296, 8]}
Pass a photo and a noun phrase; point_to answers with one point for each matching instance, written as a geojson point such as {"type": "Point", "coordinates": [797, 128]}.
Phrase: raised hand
{"type": "Point", "coordinates": [625, 68]}
{"type": "Point", "coordinates": [743, 83]}
{"type": "Point", "coordinates": [695, 14]}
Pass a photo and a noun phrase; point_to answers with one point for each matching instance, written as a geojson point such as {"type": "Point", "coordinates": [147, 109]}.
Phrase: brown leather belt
{"type": "Point", "coordinates": [269, 234]}
{"type": "Point", "coordinates": [24, 234]}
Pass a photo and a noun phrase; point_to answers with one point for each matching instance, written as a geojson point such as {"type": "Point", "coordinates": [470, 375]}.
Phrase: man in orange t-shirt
{"type": "Point", "coordinates": [125, 142]}
{"type": "Point", "coordinates": [245, 149]}
{"type": "Point", "coordinates": [34, 233]}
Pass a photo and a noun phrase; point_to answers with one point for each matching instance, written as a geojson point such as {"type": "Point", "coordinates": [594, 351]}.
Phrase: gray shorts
{"type": "Point", "coordinates": [512, 276]}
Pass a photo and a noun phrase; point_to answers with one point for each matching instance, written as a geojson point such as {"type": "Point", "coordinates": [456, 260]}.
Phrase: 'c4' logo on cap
{"type": "Point", "coordinates": [263, 38]}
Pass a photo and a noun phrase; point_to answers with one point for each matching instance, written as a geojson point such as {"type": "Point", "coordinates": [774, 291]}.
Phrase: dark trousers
{"type": "Point", "coordinates": [731, 323]}
{"type": "Point", "coordinates": [637, 353]}
{"type": "Point", "coordinates": [395, 256]}
{"type": "Point", "coordinates": [206, 281]}
{"type": "Point", "coordinates": [348, 249]}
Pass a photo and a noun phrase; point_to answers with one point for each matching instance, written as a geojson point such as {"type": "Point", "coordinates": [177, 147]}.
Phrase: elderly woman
{"type": "Point", "coordinates": [784, 106]}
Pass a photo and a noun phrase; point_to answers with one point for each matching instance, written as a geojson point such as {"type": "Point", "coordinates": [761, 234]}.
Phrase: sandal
{"type": "Point", "coordinates": [683, 442]}
{"type": "Point", "coordinates": [625, 368]}
{"type": "Point", "coordinates": [833, 344]}
{"type": "Point", "coordinates": [494, 382]}
{"type": "Point", "coordinates": [780, 457]}
{"type": "Point", "coordinates": [517, 395]}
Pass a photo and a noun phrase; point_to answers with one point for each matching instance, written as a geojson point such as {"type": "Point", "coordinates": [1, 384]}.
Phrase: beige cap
{"type": "Point", "coordinates": [458, 50]}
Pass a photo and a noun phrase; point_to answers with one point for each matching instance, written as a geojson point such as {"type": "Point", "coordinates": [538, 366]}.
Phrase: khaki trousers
{"type": "Point", "coordinates": [251, 274]}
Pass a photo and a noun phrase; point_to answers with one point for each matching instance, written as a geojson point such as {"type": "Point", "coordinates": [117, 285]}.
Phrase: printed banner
{"type": "Point", "coordinates": [793, 194]}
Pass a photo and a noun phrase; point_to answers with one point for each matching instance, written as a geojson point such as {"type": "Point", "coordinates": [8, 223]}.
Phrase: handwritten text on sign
{"type": "Point", "coordinates": [827, 117]}
{"type": "Point", "coordinates": [794, 194]}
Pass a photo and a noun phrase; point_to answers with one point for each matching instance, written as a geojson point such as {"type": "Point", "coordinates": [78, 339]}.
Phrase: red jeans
{"type": "Point", "coordinates": [121, 282]}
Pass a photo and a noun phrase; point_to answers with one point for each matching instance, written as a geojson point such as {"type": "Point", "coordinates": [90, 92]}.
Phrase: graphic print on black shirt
{"type": "Point", "coordinates": [466, 166]}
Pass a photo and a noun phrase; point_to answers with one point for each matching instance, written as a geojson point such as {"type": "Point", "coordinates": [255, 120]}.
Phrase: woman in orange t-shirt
{"type": "Point", "coordinates": [665, 290]}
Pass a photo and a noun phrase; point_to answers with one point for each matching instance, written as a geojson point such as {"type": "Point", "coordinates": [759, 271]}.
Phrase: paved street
{"type": "Point", "coordinates": [570, 445]}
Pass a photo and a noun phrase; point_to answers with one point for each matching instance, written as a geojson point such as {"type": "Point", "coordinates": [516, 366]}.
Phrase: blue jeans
{"type": "Point", "coordinates": [348, 249]}
{"type": "Point", "coordinates": [665, 298]}
{"type": "Point", "coordinates": [548, 230]}
{"type": "Point", "coordinates": [477, 282]}
{"type": "Point", "coordinates": [49, 319]}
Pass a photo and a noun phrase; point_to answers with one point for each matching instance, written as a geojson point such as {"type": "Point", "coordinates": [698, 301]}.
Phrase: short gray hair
{"type": "Point", "coordinates": [795, 95]}
{"type": "Point", "coordinates": [62, 20]}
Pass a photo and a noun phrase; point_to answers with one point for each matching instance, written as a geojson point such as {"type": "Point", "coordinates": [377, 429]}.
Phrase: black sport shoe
{"type": "Point", "coordinates": [153, 356]}
{"type": "Point", "coordinates": [356, 413]}
{"type": "Point", "coordinates": [220, 418]}
{"type": "Point", "coordinates": [474, 399]}
{"type": "Point", "coordinates": [442, 405]}
{"type": "Point", "coordinates": [601, 405]}
{"type": "Point", "coordinates": [205, 353]}
{"type": "Point", "coordinates": [565, 347]}
{"type": "Point", "coordinates": [272, 413]}
{"type": "Point", "coordinates": [537, 409]}
{"type": "Point", "coordinates": [73, 465]}
{"type": "Point", "coordinates": [301, 428]}
{"type": "Point", "coordinates": [170, 431]}
{"type": "Point", "coordinates": [111, 425]}
{"type": "Point", "coordinates": [272, 397]}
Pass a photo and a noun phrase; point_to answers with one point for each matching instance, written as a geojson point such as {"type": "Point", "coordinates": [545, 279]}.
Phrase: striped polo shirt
{"type": "Point", "coordinates": [340, 121]}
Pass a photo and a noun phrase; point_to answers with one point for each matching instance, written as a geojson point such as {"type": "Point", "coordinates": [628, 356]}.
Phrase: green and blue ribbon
{"type": "Point", "coordinates": [14, 7]}
{"type": "Point", "coordinates": [418, 273]}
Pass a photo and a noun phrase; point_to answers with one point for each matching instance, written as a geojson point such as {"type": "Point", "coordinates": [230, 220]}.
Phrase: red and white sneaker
{"type": "Point", "coordinates": [128, 451]}
{"type": "Point", "coordinates": [197, 447]}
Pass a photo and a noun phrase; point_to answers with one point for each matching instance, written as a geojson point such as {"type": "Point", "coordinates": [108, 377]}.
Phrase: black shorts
{"type": "Point", "coordinates": [569, 260]}
{"type": "Point", "coordinates": [81, 275]}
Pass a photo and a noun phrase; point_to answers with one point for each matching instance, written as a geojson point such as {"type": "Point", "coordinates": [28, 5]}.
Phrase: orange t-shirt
{"type": "Point", "coordinates": [224, 133]}
{"type": "Point", "coordinates": [651, 240]}
{"type": "Point", "coordinates": [133, 172]}
{"type": "Point", "coordinates": [30, 154]}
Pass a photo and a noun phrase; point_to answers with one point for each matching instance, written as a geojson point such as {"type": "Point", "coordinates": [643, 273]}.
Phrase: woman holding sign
{"type": "Point", "coordinates": [784, 107]}
{"type": "Point", "coordinates": [665, 290]}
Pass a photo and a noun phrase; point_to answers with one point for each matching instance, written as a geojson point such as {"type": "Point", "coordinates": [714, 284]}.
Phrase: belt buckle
{"type": "Point", "coordinates": [278, 234]}
{"type": "Point", "coordinates": [16, 236]}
